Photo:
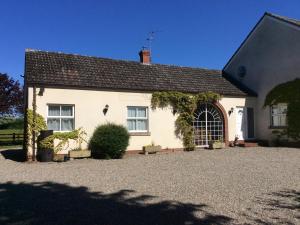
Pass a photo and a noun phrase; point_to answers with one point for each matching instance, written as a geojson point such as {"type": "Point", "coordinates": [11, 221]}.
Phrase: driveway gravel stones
{"type": "Point", "coordinates": [231, 186]}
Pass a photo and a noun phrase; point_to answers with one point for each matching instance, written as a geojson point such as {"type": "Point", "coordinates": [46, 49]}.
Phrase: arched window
{"type": "Point", "coordinates": [208, 125]}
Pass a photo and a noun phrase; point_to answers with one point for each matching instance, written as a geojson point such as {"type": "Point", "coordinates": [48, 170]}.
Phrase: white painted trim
{"type": "Point", "coordinates": [60, 116]}
{"type": "Point", "coordinates": [138, 118]}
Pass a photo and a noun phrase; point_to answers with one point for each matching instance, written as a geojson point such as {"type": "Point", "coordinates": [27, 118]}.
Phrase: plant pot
{"type": "Point", "coordinates": [45, 155]}
{"type": "Point", "coordinates": [151, 149]}
{"type": "Point", "coordinates": [79, 153]}
{"type": "Point", "coordinates": [231, 144]}
{"type": "Point", "coordinates": [217, 145]}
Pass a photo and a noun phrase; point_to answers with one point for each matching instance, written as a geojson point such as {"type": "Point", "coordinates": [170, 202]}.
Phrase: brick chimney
{"type": "Point", "coordinates": [145, 56]}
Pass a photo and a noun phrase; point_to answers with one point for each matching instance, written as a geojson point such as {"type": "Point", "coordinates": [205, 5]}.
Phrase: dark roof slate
{"type": "Point", "coordinates": [75, 71]}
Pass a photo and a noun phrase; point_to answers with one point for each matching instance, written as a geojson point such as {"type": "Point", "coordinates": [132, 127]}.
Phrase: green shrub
{"type": "Point", "coordinates": [11, 123]}
{"type": "Point", "coordinates": [109, 141]}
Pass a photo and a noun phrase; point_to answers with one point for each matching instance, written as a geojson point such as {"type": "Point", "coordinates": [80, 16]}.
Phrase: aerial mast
{"type": "Point", "coordinates": [149, 41]}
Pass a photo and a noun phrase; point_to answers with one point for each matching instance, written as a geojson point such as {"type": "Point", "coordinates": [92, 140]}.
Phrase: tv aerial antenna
{"type": "Point", "coordinates": [149, 40]}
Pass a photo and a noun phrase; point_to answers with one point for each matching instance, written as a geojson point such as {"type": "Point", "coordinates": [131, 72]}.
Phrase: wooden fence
{"type": "Point", "coordinates": [11, 139]}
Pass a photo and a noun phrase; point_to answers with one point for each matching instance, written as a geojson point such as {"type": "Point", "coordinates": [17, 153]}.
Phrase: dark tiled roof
{"type": "Point", "coordinates": [286, 19]}
{"type": "Point", "coordinates": [76, 71]}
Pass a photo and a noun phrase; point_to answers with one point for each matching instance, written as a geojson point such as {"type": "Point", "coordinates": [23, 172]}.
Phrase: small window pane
{"type": "Point", "coordinates": [54, 111]}
{"type": "Point", "coordinates": [276, 121]}
{"type": "Point", "coordinates": [279, 115]}
{"type": "Point", "coordinates": [283, 121]}
{"type": "Point", "coordinates": [67, 111]}
{"type": "Point", "coordinates": [131, 112]}
{"type": "Point", "coordinates": [131, 124]}
{"type": "Point", "coordinates": [141, 125]}
{"type": "Point", "coordinates": [141, 112]}
{"type": "Point", "coordinates": [56, 117]}
{"type": "Point", "coordinates": [67, 124]}
{"type": "Point", "coordinates": [137, 118]}
{"type": "Point", "coordinates": [283, 109]}
{"type": "Point", "coordinates": [274, 110]}
{"type": "Point", "coordinates": [53, 124]}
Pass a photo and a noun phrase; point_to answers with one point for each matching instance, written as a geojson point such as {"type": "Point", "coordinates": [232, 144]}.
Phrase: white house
{"type": "Point", "coordinates": [269, 56]}
{"type": "Point", "coordinates": [74, 90]}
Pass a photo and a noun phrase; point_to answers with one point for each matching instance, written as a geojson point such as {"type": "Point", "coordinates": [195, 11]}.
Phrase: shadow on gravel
{"type": "Point", "coordinates": [17, 155]}
{"type": "Point", "coordinates": [54, 203]}
{"type": "Point", "coordinates": [282, 207]}
{"type": "Point", "coordinates": [286, 199]}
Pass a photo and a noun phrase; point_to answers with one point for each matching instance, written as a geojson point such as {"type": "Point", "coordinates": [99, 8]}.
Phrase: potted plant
{"type": "Point", "coordinates": [79, 153]}
{"type": "Point", "coordinates": [53, 143]}
{"type": "Point", "coordinates": [217, 144]}
{"type": "Point", "coordinates": [45, 153]}
{"type": "Point", "coordinates": [235, 142]}
{"type": "Point", "coordinates": [151, 148]}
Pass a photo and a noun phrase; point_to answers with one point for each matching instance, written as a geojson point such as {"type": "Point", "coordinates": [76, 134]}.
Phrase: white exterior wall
{"type": "Point", "coordinates": [89, 105]}
{"type": "Point", "coordinates": [229, 103]}
{"type": "Point", "coordinates": [271, 56]}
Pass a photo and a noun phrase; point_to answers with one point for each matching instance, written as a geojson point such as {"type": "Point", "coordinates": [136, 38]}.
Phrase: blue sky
{"type": "Point", "coordinates": [192, 33]}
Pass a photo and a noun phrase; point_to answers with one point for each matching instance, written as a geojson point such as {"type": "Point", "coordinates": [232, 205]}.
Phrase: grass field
{"type": "Point", "coordinates": [11, 147]}
{"type": "Point", "coordinates": [10, 131]}
{"type": "Point", "coordinates": [6, 137]}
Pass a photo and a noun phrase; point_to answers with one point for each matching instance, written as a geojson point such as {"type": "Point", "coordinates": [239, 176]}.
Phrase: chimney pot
{"type": "Point", "coordinates": [145, 56]}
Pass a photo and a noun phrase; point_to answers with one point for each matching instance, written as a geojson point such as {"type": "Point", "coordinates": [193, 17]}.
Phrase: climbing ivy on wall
{"type": "Point", "coordinates": [288, 93]}
{"type": "Point", "coordinates": [184, 105]}
{"type": "Point", "coordinates": [40, 124]}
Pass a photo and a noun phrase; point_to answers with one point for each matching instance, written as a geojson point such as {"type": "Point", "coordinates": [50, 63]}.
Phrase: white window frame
{"type": "Point", "coordinates": [138, 118]}
{"type": "Point", "coordinates": [61, 117]}
{"type": "Point", "coordinates": [280, 115]}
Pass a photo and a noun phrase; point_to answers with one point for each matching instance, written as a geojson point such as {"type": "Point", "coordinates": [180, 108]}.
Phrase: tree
{"type": "Point", "coordinates": [11, 96]}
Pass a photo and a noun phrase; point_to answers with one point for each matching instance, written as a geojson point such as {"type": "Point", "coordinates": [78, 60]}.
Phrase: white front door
{"type": "Point", "coordinates": [241, 123]}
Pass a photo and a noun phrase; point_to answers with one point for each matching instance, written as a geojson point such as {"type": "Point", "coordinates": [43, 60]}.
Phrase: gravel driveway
{"type": "Point", "coordinates": [234, 186]}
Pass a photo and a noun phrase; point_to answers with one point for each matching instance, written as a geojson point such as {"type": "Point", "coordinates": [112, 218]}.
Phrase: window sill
{"type": "Point", "coordinates": [139, 133]}
{"type": "Point", "coordinates": [277, 127]}
{"type": "Point", "coordinates": [62, 131]}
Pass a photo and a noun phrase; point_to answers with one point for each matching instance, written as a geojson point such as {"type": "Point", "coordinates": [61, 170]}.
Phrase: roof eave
{"type": "Point", "coordinates": [240, 85]}
{"type": "Point", "coordinates": [32, 84]}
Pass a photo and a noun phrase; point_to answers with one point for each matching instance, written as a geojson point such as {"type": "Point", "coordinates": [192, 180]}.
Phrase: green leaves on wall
{"type": "Point", "coordinates": [289, 93]}
{"type": "Point", "coordinates": [184, 105]}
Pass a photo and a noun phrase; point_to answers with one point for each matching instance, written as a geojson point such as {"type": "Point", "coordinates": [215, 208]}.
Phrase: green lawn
{"type": "Point", "coordinates": [6, 138]}
{"type": "Point", "coordinates": [9, 131]}
{"type": "Point", "coordinates": [10, 147]}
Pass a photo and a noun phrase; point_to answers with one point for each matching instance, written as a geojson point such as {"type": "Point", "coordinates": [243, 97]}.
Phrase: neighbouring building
{"type": "Point", "coordinates": [269, 56]}
{"type": "Point", "coordinates": [74, 90]}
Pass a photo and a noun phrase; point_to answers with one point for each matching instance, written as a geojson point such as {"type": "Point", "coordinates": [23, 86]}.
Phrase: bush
{"type": "Point", "coordinates": [109, 141]}
{"type": "Point", "coordinates": [11, 123]}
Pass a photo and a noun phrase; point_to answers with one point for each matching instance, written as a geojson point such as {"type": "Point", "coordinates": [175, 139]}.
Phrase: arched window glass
{"type": "Point", "coordinates": [208, 125]}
